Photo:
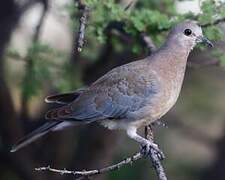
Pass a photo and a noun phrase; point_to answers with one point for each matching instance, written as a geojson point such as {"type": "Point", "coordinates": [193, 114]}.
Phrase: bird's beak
{"type": "Point", "coordinates": [204, 40]}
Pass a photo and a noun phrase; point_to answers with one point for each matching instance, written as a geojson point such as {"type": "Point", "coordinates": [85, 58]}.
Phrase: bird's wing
{"type": "Point", "coordinates": [124, 89]}
{"type": "Point", "coordinates": [64, 98]}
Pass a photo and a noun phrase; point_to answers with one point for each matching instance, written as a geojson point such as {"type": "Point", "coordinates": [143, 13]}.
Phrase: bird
{"type": "Point", "coordinates": [129, 96]}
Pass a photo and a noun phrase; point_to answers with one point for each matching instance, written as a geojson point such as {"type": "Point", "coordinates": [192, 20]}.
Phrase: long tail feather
{"type": "Point", "coordinates": [36, 134]}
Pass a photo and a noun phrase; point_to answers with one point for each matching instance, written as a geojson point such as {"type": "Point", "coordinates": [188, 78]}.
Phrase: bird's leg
{"type": "Point", "coordinates": [147, 145]}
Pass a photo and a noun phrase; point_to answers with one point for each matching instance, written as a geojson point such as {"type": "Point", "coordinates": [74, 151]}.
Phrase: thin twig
{"type": "Point", "coordinates": [149, 133]}
{"type": "Point", "coordinates": [126, 161]}
{"type": "Point", "coordinates": [143, 38]}
{"type": "Point", "coordinates": [147, 42]}
{"type": "Point", "coordinates": [157, 165]}
{"type": "Point", "coordinates": [41, 20]}
{"type": "Point", "coordinates": [83, 21]}
{"type": "Point", "coordinates": [130, 4]}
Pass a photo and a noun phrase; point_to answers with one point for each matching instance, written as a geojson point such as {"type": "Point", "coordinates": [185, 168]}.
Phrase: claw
{"type": "Point", "coordinates": [152, 148]}
{"type": "Point", "coordinates": [160, 155]}
{"type": "Point", "coordinates": [144, 150]}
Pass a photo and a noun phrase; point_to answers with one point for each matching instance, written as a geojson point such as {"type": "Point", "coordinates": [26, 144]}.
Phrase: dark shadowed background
{"type": "Point", "coordinates": [38, 57]}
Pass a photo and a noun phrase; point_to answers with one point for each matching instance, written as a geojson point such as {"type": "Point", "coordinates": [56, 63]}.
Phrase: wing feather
{"type": "Point", "coordinates": [119, 92]}
{"type": "Point", "coordinates": [64, 98]}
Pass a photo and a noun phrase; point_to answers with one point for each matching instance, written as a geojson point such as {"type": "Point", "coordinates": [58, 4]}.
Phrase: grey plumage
{"type": "Point", "coordinates": [132, 95]}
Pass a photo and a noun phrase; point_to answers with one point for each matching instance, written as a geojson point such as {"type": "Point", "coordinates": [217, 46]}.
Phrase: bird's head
{"type": "Point", "coordinates": [188, 34]}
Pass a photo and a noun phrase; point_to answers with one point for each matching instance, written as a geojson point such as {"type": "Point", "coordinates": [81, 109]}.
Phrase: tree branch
{"type": "Point", "coordinates": [41, 20]}
{"type": "Point", "coordinates": [89, 173]}
{"type": "Point", "coordinates": [83, 20]}
{"type": "Point", "coordinates": [143, 38]}
{"type": "Point", "coordinates": [147, 42]}
{"type": "Point", "coordinates": [154, 157]}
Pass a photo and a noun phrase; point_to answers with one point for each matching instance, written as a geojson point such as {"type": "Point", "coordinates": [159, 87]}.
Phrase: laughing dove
{"type": "Point", "coordinates": [129, 96]}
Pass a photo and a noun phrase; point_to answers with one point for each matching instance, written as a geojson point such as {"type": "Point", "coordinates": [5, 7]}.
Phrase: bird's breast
{"type": "Point", "coordinates": [170, 84]}
{"type": "Point", "coordinates": [169, 92]}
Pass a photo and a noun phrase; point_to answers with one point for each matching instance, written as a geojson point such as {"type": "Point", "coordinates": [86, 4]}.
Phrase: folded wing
{"type": "Point", "coordinates": [119, 92]}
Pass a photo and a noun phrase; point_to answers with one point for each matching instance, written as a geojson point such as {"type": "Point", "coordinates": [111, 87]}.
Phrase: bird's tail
{"type": "Point", "coordinates": [36, 134]}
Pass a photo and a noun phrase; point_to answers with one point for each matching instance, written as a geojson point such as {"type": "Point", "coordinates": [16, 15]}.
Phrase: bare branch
{"type": "Point", "coordinates": [147, 42]}
{"type": "Point", "coordinates": [143, 38]}
{"type": "Point", "coordinates": [130, 4]}
{"type": "Point", "coordinates": [83, 20]}
{"type": "Point", "coordinates": [41, 20]}
{"type": "Point", "coordinates": [154, 157]}
{"type": "Point", "coordinates": [126, 161]}
{"type": "Point", "coordinates": [157, 165]}
{"type": "Point", "coordinates": [149, 133]}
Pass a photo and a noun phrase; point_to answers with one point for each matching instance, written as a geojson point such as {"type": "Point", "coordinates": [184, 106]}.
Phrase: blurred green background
{"type": "Point", "coordinates": [38, 57]}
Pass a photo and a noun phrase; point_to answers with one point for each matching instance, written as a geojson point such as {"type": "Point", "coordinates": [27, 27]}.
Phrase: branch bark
{"type": "Point", "coordinates": [154, 157]}
{"type": "Point", "coordinates": [83, 21]}
{"type": "Point", "coordinates": [147, 42]}
{"type": "Point", "coordinates": [88, 173]}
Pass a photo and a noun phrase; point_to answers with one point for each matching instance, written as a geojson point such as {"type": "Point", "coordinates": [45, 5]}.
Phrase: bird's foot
{"type": "Point", "coordinates": [152, 148]}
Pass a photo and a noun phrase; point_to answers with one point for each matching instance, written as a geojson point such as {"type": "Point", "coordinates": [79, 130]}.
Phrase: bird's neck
{"type": "Point", "coordinates": [170, 59]}
{"type": "Point", "coordinates": [176, 50]}
{"type": "Point", "coordinates": [174, 54]}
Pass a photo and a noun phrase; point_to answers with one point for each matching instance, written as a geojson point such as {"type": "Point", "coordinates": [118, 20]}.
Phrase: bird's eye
{"type": "Point", "coordinates": [187, 32]}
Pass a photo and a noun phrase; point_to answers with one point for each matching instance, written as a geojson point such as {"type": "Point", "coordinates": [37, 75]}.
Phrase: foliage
{"type": "Point", "coordinates": [43, 64]}
{"type": "Point", "coordinates": [36, 70]}
{"type": "Point", "coordinates": [146, 16]}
